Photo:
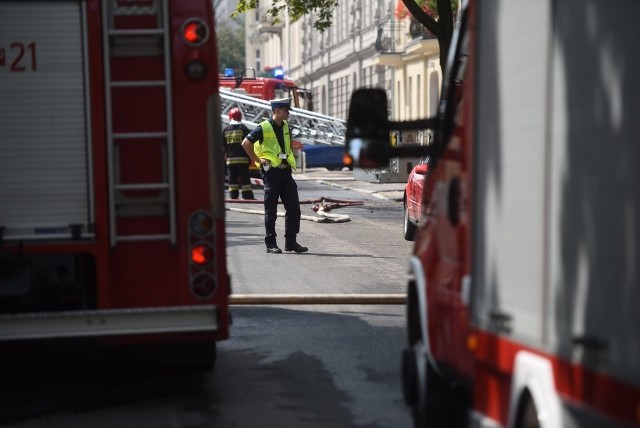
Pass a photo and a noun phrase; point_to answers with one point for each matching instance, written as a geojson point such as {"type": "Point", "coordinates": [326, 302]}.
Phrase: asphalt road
{"type": "Point", "coordinates": [330, 365]}
{"type": "Point", "coordinates": [284, 366]}
{"type": "Point", "coordinates": [366, 254]}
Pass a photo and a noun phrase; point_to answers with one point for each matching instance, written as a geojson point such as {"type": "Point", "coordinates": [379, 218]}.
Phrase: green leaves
{"type": "Point", "coordinates": [321, 10]}
{"type": "Point", "coordinates": [230, 45]}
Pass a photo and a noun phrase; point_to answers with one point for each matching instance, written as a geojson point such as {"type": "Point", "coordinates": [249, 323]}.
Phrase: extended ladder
{"type": "Point", "coordinates": [138, 36]}
{"type": "Point", "coordinates": [308, 127]}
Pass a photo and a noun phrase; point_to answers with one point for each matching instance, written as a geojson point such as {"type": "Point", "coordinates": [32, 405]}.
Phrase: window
{"type": "Point", "coordinates": [340, 93]}
{"type": "Point", "coordinates": [399, 99]}
{"type": "Point", "coordinates": [366, 77]}
{"type": "Point", "coordinates": [325, 110]}
{"type": "Point", "coordinates": [408, 97]}
{"type": "Point", "coordinates": [418, 98]}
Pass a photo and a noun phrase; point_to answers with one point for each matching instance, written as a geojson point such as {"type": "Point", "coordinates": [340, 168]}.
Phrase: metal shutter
{"type": "Point", "coordinates": [44, 181]}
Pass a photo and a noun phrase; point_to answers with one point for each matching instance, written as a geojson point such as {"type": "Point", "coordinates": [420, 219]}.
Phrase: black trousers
{"type": "Point", "coordinates": [279, 183]}
{"type": "Point", "coordinates": [239, 180]}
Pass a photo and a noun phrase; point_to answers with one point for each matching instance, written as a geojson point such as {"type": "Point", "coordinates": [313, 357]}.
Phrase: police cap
{"type": "Point", "coordinates": [281, 103]}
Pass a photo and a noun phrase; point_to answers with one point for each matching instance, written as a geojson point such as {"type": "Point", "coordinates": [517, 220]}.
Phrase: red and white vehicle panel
{"type": "Point", "coordinates": [521, 308]}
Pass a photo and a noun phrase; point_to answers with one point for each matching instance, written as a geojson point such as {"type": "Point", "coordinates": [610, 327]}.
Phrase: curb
{"type": "Point", "coordinates": [375, 193]}
{"type": "Point", "coordinates": [379, 194]}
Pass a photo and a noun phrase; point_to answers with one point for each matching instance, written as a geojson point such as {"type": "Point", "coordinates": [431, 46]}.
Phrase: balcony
{"type": "Point", "coordinates": [419, 31]}
{"type": "Point", "coordinates": [268, 27]}
{"type": "Point", "coordinates": [422, 41]}
{"type": "Point", "coordinates": [389, 44]}
{"type": "Point", "coordinates": [393, 45]}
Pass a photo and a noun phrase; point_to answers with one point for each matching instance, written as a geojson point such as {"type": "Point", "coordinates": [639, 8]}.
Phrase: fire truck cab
{"type": "Point", "coordinates": [267, 88]}
{"type": "Point", "coordinates": [523, 285]}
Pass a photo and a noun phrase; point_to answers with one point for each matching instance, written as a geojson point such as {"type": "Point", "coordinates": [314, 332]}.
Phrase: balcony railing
{"type": "Point", "coordinates": [419, 31]}
{"type": "Point", "coordinates": [389, 39]}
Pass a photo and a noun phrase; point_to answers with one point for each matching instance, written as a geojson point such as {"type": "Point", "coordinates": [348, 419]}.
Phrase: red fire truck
{"type": "Point", "coordinates": [111, 177]}
{"type": "Point", "coordinates": [523, 286]}
{"type": "Point", "coordinates": [267, 88]}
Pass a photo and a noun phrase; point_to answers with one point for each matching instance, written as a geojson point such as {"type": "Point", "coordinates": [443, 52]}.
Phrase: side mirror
{"type": "Point", "coordinates": [368, 131]}
{"type": "Point", "coordinates": [422, 169]}
{"type": "Point", "coordinates": [367, 134]}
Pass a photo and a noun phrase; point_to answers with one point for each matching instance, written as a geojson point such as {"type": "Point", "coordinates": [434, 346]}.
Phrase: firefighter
{"type": "Point", "coordinates": [236, 157]}
{"type": "Point", "coordinates": [269, 146]}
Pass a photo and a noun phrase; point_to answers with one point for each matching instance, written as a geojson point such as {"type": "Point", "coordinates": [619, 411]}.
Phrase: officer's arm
{"type": "Point", "coordinates": [247, 145]}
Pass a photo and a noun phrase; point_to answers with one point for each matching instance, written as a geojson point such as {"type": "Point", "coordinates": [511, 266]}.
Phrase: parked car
{"type": "Point", "coordinates": [330, 157]}
{"type": "Point", "coordinates": [413, 198]}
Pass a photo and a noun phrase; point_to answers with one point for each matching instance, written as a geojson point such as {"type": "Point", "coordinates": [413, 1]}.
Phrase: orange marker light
{"type": "Point", "coordinates": [472, 342]}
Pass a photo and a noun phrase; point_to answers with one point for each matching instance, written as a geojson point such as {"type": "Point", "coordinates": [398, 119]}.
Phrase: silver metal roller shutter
{"type": "Point", "coordinates": [44, 179]}
{"type": "Point", "coordinates": [512, 67]}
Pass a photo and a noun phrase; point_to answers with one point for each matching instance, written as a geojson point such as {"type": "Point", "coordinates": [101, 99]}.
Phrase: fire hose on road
{"type": "Point", "coordinates": [321, 206]}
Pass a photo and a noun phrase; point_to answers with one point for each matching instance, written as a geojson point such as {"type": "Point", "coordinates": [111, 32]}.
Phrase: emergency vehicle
{"type": "Point", "coordinates": [111, 175]}
{"type": "Point", "coordinates": [523, 286]}
{"type": "Point", "coordinates": [267, 88]}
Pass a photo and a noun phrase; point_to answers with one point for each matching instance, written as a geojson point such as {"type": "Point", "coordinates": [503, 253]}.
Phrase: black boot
{"type": "Point", "coordinates": [272, 247]}
{"type": "Point", "coordinates": [295, 247]}
{"type": "Point", "coordinates": [248, 196]}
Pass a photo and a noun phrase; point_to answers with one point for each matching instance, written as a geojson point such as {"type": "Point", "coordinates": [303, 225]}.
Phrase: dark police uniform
{"type": "Point", "coordinates": [273, 142]}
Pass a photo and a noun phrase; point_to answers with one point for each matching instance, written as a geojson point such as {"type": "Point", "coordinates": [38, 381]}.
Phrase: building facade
{"type": "Point", "coordinates": [367, 45]}
{"type": "Point", "coordinates": [223, 10]}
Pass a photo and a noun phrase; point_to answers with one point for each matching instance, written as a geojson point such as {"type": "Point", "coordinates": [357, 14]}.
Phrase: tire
{"type": "Point", "coordinates": [201, 357]}
{"type": "Point", "coordinates": [409, 228]}
{"type": "Point", "coordinates": [527, 416]}
{"type": "Point", "coordinates": [189, 357]}
{"type": "Point", "coordinates": [446, 403]}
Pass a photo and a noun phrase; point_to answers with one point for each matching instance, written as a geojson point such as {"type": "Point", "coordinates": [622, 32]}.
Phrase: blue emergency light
{"type": "Point", "coordinates": [229, 72]}
{"type": "Point", "coordinates": [278, 73]}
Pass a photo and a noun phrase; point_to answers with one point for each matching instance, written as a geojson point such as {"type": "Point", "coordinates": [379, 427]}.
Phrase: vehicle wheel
{"type": "Point", "coordinates": [527, 414]}
{"type": "Point", "coordinates": [182, 356]}
{"type": "Point", "coordinates": [434, 411]}
{"type": "Point", "coordinates": [199, 356]}
{"type": "Point", "coordinates": [419, 419]}
{"type": "Point", "coordinates": [409, 228]}
{"type": "Point", "coordinates": [445, 404]}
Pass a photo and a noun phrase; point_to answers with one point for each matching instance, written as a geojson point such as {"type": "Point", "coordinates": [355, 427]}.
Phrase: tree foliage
{"type": "Point", "coordinates": [438, 18]}
{"type": "Point", "coordinates": [436, 15]}
{"type": "Point", "coordinates": [230, 40]}
{"type": "Point", "coordinates": [295, 9]}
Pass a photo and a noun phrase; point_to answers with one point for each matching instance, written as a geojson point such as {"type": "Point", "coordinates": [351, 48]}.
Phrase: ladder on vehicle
{"type": "Point", "coordinates": [134, 34]}
{"type": "Point", "coordinates": [308, 127]}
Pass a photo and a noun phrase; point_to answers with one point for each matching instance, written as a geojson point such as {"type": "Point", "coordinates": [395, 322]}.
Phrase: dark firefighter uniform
{"type": "Point", "coordinates": [272, 142]}
{"type": "Point", "coordinates": [237, 160]}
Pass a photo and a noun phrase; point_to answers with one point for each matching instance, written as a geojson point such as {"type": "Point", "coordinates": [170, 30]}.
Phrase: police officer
{"type": "Point", "coordinates": [236, 157]}
{"type": "Point", "coordinates": [269, 146]}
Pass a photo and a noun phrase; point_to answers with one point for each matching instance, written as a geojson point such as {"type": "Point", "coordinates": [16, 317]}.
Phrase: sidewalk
{"type": "Point", "coordinates": [344, 180]}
